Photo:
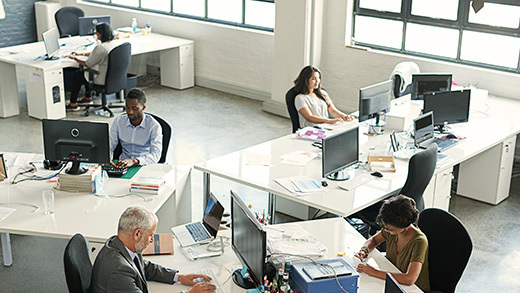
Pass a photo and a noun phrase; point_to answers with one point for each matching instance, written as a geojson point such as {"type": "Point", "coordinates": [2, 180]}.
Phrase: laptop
{"type": "Point", "coordinates": [391, 285]}
{"type": "Point", "coordinates": [203, 231]}
{"type": "Point", "coordinates": [423, 134]}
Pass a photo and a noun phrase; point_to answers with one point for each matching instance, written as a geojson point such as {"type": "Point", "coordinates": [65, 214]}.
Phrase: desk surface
{"type": "Point", "coordinates": [27, 54]}
{"type": "Point", "coordinates": [344, 238]}
{"type": "Point", "coordinates": [93, 216]}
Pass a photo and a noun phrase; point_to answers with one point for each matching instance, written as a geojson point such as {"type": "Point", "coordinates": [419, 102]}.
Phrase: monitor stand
{"type": "Point", "coordinates": [50, 58]}
{"type": "Point", "coordinates": [341, 175]}
{"type": "Point", "coordinates": [76, 169]}
{"type": "Point", "coordinates": [375, 126]}
{"type": "Point", "coordinates": [245, 283]}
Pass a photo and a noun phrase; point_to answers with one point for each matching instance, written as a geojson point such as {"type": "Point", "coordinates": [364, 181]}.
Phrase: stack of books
{"type": "Point", "coordinates": [79, 183]}
{"type": "Point", "coordinates": [148, 185]}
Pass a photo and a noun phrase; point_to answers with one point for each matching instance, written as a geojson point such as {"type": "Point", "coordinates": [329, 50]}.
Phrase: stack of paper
{"type": "Point", "coordinates": [311, 133]}
{"type": "Point", "coordinates": [294, 240]}
{"type": "Point", "coordinates": [299, 185]}
{"type": "Point", "coordinates": [79, 183]}
{"type": "Point", "coordinates": [148, 185]}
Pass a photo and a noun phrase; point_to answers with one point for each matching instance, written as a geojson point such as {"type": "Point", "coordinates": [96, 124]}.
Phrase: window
{"type": "Point", "coordinates": [255, 14]}
{"type": "Point", "coordinates": [446, 30]}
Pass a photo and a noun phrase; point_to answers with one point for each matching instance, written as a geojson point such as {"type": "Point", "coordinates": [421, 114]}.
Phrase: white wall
{"type": "Point", "coordinates": [227, 58]}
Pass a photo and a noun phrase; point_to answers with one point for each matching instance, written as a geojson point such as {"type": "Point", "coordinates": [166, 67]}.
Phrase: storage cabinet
{"type": "Point", "coordinates": [438, 192]}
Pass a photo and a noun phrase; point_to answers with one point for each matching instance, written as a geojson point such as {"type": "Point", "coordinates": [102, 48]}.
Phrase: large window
{"type": "Point", "coordinates": [255, 14]}
{"type": "Point", "coordinates": [442, 29]}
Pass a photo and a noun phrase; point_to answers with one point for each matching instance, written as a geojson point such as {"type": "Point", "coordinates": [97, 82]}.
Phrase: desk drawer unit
{"type": "Point", "coordinates": [177, 68]}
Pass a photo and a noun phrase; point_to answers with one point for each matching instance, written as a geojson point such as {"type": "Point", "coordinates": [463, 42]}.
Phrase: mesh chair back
{"type": "Point", "coordinates": [420, 172]}
{"type": "Point", "coordinates": [118, 62]}
{"type": "Point", "coordinates": [67, 20]}
{"type": "Point", "coordinates": [78, 268]}
{"type": "Point", "coordinates": [449, 248]}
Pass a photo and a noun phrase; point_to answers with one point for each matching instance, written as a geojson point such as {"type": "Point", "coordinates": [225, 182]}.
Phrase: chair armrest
{"type": "Point", "coordinates": [91, 73]}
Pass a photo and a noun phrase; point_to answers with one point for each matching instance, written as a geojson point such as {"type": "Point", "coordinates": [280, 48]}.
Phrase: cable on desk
{"type": "Point", "coordinates": [146, 199]}
{"type": "Point", "coordinates": [34, 176]}
{"type": "Point", "coordinates": [219, 243]}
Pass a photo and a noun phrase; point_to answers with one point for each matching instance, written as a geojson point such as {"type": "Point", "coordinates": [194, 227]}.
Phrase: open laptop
{"type": "Point", "coordinates": [391, 285]}
{"type": "Point", "coordinates": [203, 231]}
{"type": "Point", "coordinates": [423, 134]}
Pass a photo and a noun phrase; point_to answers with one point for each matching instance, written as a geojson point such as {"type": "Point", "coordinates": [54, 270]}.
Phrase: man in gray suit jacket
{"type": "Point", "coordinates": [120, 267]}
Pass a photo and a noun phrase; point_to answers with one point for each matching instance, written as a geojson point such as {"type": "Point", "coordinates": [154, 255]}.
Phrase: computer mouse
{"type": "Point", "coordinates": [451, 136]}
{"type": "Point", "coordinates": [324, 183]}
{"type": "Point", "coordinates": [377, 174]}
{"type": "Point", "coordinates": [198, 280]}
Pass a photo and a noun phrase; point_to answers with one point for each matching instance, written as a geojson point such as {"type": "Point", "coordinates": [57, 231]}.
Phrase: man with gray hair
{"type": "Point", "coordinates": [120, 267]}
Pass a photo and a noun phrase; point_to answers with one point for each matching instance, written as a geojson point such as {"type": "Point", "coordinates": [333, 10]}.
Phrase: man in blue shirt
{"type": "Point", "coordinates": [140, 134]}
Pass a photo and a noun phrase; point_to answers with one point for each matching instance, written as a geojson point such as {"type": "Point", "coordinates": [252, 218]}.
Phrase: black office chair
{"type": "Point", "coordinates": [115, 82]}
{"type": "Point", "coordinates": [167, 133]}
{"type": "Point", "coordinates": [420, 171]}
{"type": "Point", "coordinates": [78, 268]}
{"type": "Point", "coordinates": [449, 248]}
{"type": "Point", "coordinates": [67, 20]}
{"type": "Point", "coordinates": [291, 108]}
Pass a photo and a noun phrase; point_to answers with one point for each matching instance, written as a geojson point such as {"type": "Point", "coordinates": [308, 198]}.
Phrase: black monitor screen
{"type": "Point", "coordinates": [374, 99]}
{"type": "Point", "coordinates": [423, 128]}
{"type": "Point", "coordinates": [248, 239]}
{"type": "Point", "coordinates": [87, 24]}
{"type": "Point", "coordinates": [429, 83]}
{"type": "Point", "coordinates": [76, 141]}
{"type": "Point", "coordinates": [213, 215]}
{"type": "Point", "coordinates": [448, 107]}
{"type": "Point", "coordinates": [340, 151]}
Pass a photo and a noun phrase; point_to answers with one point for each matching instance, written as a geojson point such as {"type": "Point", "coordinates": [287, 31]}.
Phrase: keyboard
{"type": "Point", "coordinates": [114, 171]}
{"type": "Point", "coordinates": [354, 182]}
{"type": "Point", "coordinates": [198, 232]}
{"type": "Point", "coordinates": [214, 280]}
{"type": "Point", "coordinates": [444, 144]}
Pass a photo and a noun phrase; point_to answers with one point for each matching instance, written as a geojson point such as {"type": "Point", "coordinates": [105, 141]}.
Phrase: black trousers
{"type": "Point", "coordinates": [78, 79]}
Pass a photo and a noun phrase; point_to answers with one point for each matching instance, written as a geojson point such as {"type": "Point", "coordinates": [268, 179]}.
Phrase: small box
{"type": "Point", "coordinates": [381, 163]}
{"type": "Point", "coordinates": [162, 244]}
{"type": "Point", "coordinates": [301, 282]}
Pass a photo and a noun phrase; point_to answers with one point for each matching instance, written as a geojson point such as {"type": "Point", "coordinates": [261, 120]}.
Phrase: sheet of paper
{"type": "Point", "coordinates": [288, 183]}
{"type": "Point", "coordinates": [257, 159]}
{"type": "Point", "coordinates": [299, 158]}
{"type": "Point", "coordinates": [5, 212]}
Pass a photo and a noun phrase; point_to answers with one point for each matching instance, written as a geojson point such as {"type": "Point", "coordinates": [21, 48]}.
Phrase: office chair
{"type": "Point", "coordinates": [449, 248]}
{"type": "Point", "coordinates": [115, 82]}
{"type": "Point", "coordinates": [291, 108]}
{"type": "Point", "coordinates": [402, 77]}
{"type": "Point", "coordinates": [420, 171]}
{"type": "Point", "coordinates": [78, 268]}
{"type": "Point", "coordinates": [67, 20]}
{"type": "Point", "coordinates": [166, 132]}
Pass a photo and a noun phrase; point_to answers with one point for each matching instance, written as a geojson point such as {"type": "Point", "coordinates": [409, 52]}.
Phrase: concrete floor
{"type": "Point", "coordinates": [207, 124]}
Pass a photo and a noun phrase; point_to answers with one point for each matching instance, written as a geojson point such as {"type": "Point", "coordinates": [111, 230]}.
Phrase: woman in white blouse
{"type": "Point", "coordinates": [312, 102]}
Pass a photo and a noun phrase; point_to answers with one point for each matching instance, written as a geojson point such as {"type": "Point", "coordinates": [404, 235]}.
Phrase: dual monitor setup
{"type": "Point", "coordinates": [87, 26]}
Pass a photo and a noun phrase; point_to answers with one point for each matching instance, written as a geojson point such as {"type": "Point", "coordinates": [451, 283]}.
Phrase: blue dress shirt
{"type": "Point", "coordinates": [143, 142]}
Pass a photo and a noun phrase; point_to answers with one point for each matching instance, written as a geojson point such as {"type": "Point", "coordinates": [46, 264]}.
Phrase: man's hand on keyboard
{"type": "Point", "coordinates": [190, 279]}
{"type": "Point", "coordinates": [126, 163]}
{"type": "Point", "coordinates": [202, 288]}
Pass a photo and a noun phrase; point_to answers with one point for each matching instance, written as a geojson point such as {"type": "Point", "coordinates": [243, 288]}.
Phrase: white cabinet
{"type": "Point", "coordinates": [177, 68]}
{"type": "Point", "coordinates": [438, 192]}
{"type": "Point", "coordinates": [45, 93]}
{"type": "Point", "coordinates": [487, 176]}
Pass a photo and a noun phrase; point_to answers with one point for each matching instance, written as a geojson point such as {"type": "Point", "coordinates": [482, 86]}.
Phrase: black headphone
{"type": "Point", "coordinates": [53, 165]}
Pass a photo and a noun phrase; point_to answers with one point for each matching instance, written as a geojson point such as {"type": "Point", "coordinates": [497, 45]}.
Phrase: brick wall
{"type": "Point", "coordinates": [19, 24]}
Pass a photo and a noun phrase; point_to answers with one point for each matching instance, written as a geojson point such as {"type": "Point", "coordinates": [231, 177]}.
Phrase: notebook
{"type": "Point", "coordinates": [423, 134]}
{"type": "Point", "coordinates": [203, 231]}
{"type": "Point", "coordinates": [391, 285]}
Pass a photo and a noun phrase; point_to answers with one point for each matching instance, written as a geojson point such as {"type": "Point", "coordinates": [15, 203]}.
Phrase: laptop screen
{"type": "Point", "coordinates": [423, 128]}
{"type": "Point", "coordinates": [391, 285]}
{"type": "Point", "coordinates": [213, 215]}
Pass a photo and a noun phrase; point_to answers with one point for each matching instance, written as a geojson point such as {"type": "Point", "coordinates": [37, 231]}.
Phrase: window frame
{"type": "Point", "coordinates": [205, 18]}
{"type": "Point", "coordinates": [461, 24]}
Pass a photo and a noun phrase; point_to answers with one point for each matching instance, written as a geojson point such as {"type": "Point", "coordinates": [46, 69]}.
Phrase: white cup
{"type": "Point", "coordinates": [48, 201]}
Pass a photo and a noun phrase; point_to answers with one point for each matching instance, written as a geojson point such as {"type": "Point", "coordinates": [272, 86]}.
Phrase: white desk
{"type": "Point", "coordinates": [94, 217]}
{"type": "Point", "coordinates": [44, 79]}
{"type": "Point", "coordinates": [344, 238]}
{"type": "Point", "coordinates": [489, 145]}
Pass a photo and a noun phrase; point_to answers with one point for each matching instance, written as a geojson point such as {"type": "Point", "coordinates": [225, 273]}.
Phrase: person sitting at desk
{"type": "Point", "coordinates": [120, 267]}
{"type": "Point", "coordinates": [407, 246]}
{"type": "Point", "coordinates": [140, 134]}
{"type": "Point", "coordinates": [312, 102]}
{"type": "Point", "coordinates": [98, 60]}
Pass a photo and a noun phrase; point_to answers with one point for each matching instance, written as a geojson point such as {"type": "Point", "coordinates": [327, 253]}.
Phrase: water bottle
{"type": "Point", "coordinates": [148, 27]}
{"type": "Point", "coordinates": [134, 25]}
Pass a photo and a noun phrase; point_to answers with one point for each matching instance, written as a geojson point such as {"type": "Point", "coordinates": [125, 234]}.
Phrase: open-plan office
{"type": "Point", "coordinates": [211, 74]}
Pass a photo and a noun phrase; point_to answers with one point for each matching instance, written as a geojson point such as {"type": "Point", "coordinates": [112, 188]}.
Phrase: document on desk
{"type": "Point", "coordinates": [293, 240]}
{"type": "Point", "coordinates": [5, 212]}
{"type": "Point", "coordinates": [299, 158]}
{"type": "Point", "coordinates": [257, 159]}
{"type": "Point", "coordinates": [299, 185]}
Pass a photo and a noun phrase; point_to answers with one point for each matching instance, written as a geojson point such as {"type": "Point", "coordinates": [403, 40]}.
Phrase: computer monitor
{"type": "Point", "coordinates": [51, 43]}
{"type": "Point", "coordinates": [87, 24]}
{"type": "Point", "coordinates": [429, 83]}
{"type": "Point", "coordinates": [423, 128]}
{"type": "Point", "coordinates": [375, 100]}
{"type": "Point", "coordinates": [77, 142]}
{"type": "Point", "coordinates": [339, 151]}
{"type": "Point", "coordinates": [248, 241]}
{"type": "Point", "coordinates": [392, 286]}
{"type": "Point", "coordinates": [448, 107]}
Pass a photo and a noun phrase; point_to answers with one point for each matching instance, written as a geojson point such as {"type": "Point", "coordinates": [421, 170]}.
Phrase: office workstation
{"type": "Point", "coordinates": [476, 147]}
